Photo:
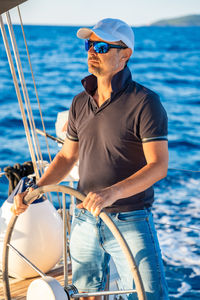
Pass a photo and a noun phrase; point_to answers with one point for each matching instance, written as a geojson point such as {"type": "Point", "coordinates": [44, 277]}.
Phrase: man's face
{"type": "Point", "coordinates": [105, 64]}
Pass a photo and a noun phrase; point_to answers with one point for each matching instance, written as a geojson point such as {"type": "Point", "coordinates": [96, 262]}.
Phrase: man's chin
{"type": "Point", "coordinates": [94, 69]}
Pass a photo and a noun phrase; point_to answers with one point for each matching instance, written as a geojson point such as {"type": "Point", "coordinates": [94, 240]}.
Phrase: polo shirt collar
{"type": "Point", "coordinates": [119, 81]}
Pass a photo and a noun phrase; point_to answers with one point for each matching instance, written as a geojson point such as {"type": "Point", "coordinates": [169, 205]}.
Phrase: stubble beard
{"type": "Point", "coordinates": [95, 70]}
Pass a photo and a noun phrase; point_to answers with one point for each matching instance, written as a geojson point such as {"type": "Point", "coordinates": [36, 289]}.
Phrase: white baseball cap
{"type": "Point", "coordinates": [110, 30]}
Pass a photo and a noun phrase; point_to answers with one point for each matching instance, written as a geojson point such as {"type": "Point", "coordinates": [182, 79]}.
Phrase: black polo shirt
{"type": "Point", "coordinates": [110, 137]}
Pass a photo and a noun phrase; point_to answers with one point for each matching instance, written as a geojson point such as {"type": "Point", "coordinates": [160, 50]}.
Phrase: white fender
{"type": "Point", "coordinates": [38, 235]}
{"type": "Point", "coordinates": [46, 288]}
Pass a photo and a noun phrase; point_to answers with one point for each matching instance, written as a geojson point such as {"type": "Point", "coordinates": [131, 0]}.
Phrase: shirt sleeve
{"type": "Point", "coordinates": [71, 128]}
{"type": "Point", "coordinates": [153, 120]}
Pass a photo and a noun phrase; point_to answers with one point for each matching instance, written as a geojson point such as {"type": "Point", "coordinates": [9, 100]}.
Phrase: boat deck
{"type": "Point", "coordinates": [19, 288]}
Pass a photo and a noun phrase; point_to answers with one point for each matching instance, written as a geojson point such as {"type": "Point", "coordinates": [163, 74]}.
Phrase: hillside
{"type": "Point", "coordinates": [190, 20]}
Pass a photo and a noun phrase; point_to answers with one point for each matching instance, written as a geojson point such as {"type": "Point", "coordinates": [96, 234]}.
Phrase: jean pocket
{"type": "Point", "coordinates": [84, 216]}
{"type": "Point", "coordinates": [133, 216]}
{"type": "Point", "coordinates": [78, 213]}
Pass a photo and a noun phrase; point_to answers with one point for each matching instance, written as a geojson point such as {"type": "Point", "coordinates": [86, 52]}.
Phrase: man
{"type": "Point", "coordinates": [117, 128]}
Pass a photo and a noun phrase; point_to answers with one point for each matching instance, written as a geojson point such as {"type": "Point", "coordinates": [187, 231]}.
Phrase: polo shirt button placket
{"type": "Point", "coordinates": [95, 109]}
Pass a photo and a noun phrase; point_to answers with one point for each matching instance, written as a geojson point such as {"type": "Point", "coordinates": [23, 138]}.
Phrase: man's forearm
{"type": "Point", "coordinates": [136, 183]}
{"type": "Point", "coordinates": [156, 155]}
{"type": "Point", "coordinates": [57, 170]}
{"type": "Point", "coordinates": [140, 181]}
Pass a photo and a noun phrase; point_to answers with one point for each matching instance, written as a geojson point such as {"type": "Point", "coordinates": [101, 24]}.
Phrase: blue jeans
{"type": "Point", "coordinates": [92, 244]}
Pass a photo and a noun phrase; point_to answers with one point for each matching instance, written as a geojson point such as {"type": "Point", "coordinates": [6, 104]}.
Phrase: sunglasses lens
{"type": "Point", "coordinates": [101, 47]}
{"type": "Point", "coordinates": [87, 45]}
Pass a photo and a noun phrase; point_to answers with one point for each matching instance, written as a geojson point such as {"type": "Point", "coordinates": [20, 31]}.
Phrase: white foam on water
{"type": "Point", "coordinates": [177, 218]}
{"type": "Point", "coordinates": [182, 290]}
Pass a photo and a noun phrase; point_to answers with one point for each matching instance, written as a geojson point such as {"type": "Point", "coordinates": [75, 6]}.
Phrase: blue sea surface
{"type": "Point", "coordinates": [166, 60]}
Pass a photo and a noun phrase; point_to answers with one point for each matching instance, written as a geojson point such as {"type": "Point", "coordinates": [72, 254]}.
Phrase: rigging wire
{"type": "Point", "coordinates": [178, 226]}
{"type": "Point", "coordinates": [61, 141]}
{"type": "Point", "coordinates": [24, 90]}
{"type": "Point", "coordinates": [183, 170]}
{"type": "Point", "coordinates": [26, 98]}
{"type": "Point", "coordinates": [12, 68]}
{"type": "Point", "coordinates": [36, 92]}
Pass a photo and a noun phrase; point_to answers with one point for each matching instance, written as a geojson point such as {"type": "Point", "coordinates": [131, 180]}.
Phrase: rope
{"type": "Point", "coordinates": [27, 100]}
{"type": "Point", "coordinates": [183, 170]}
{"type": "Point", "coordinates": [41, 117]}
{"type": "Point", "coordinates": [37, 97]}
{"type": "Point", "coordinates": [178, 226]}
{"type": "Point", "coordinates": [24, 89]}
{"type": "Point", "coordinates": [12, 68]}
{"type": "Point", "coordinates": [15, 173]}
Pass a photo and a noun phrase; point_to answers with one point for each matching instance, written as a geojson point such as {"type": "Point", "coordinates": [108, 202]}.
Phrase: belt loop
{"type": "Point", "coordinates": [80, 212]}
{"type": "Point", "coordinates": [117, 216]}
{"type": "Point", "coordinates": [148, 209]}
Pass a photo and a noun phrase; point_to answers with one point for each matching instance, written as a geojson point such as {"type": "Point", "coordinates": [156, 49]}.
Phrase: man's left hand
{"type": "Point", "coordinates": [96, 201]}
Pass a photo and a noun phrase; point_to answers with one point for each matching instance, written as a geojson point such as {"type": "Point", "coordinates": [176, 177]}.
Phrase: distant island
{"type": "Point", "coordinates": [190, 20]}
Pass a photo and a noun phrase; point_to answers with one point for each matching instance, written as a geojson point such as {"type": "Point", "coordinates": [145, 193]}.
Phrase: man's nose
{"type": "Point", "coordinates": [91, 50]}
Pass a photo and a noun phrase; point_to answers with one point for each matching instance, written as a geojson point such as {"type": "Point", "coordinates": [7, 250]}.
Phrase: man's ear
{"type": "Point", "coordinates": [127, 53]}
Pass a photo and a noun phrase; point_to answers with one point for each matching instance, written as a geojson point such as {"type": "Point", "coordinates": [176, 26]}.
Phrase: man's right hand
{"type": "Point", "coordinates": [18, 206]}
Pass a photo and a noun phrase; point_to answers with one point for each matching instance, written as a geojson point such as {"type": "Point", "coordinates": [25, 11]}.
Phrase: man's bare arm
{"type": "Point", "coordinates": [56, 172]}
{"type": "Point", "coordinates": [61, 165]}
{"type": "Point", "coordinates": [156, 154]}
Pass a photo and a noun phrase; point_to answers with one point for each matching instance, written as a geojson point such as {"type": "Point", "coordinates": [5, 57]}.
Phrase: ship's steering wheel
{"type": "Point", "coordinates": [69, 291]}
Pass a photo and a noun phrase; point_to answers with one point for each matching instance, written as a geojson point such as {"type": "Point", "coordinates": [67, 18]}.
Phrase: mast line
{"type": "Point", "coordinates": [17, 89]}
{"type": "Point", "coordinates": [36, 92]}
{"type": "Point", "coordinates": [24, 91]}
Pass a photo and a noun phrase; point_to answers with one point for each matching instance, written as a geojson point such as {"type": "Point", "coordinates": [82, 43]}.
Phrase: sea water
{"type": "Point", "coordinates": [166, 60]}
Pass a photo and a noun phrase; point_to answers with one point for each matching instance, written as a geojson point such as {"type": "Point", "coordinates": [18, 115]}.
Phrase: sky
{"type": "Point", "coordinates": [88, 12]}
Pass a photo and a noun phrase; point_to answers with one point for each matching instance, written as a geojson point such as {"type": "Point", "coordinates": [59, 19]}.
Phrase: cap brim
{"type": "Point", "coordinates": [85, 33]}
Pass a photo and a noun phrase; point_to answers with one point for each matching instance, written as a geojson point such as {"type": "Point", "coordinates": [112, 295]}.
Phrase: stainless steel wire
{"type": "Point", "coordinates": [17, 89]}
{"type": "Point", "coordinates": [25, 92]}
{"type": "Point", "coordinates": [27, 260]}
{"type": "Point", "coordinates": [65, 241]}
{"type": "Point", "coordinates": [33, 78]}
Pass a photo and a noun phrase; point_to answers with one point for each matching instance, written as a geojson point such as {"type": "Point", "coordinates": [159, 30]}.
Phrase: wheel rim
{"type": "Point", "coordinates": [115, 231]}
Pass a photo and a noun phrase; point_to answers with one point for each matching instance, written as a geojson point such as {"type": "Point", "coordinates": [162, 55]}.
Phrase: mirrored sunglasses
{"type": "Point", "coordinates": [101, 47]}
